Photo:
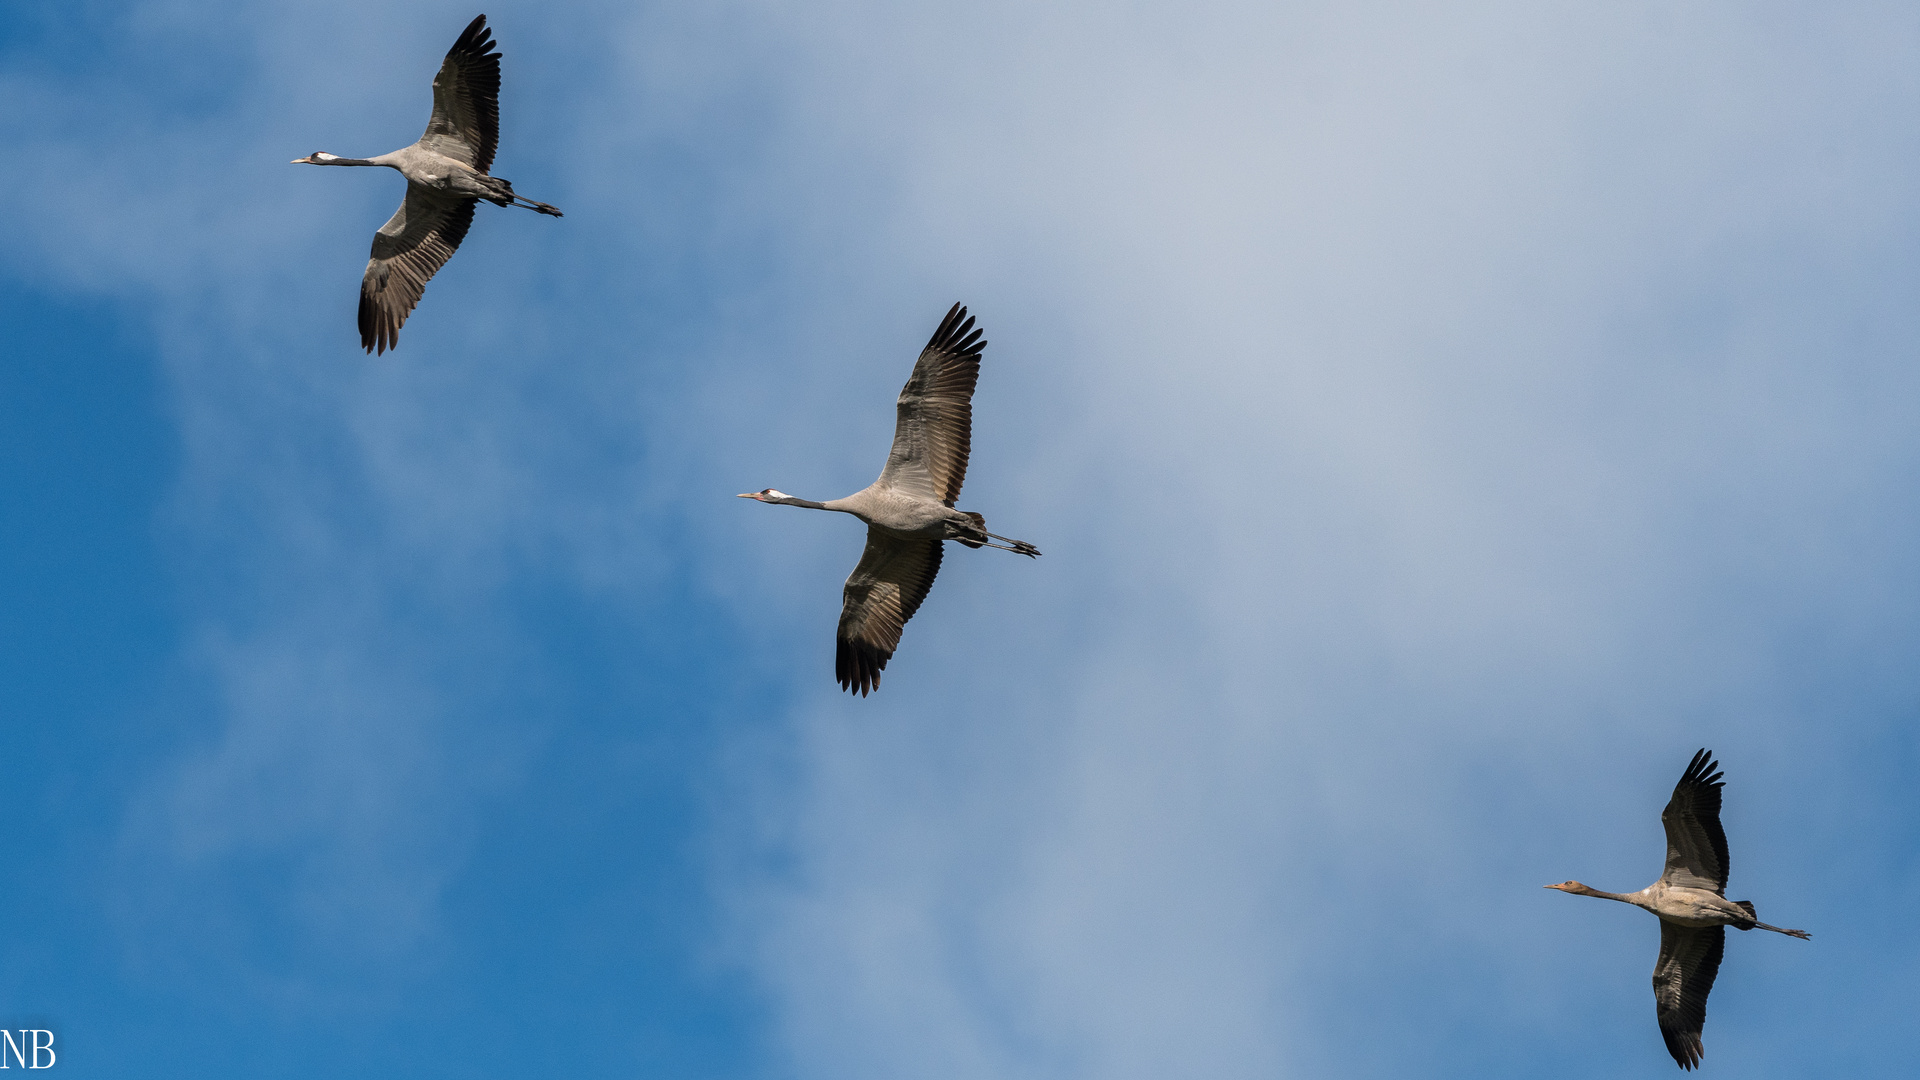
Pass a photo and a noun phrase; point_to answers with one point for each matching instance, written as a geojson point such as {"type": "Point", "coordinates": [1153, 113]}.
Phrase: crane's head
{"type": "Point", "coordinates": [767, 495]}
{"type": "Point", "coordinates": [315, 158]}
{"type": "Point", "coordinates": [1571, 887]}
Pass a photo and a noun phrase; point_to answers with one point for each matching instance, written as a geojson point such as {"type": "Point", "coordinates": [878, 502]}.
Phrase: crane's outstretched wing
{"type": "Point", "coordinates": [1696, 844]}
{"type": "Point", "coordinates": [934, 432]}
{"type": "Point", "coordinates": [414, 243]}
{"type": "Point", "coordinates": [465, 125]}
{"type": "Point", "coordinates": [882, 593]}
{"type": "Point", "coordinates": [1682, 979]}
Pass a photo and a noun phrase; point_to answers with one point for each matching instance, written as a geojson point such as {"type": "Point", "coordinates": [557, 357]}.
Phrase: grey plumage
{"type": "Point", "coordinates": [909, 510]}
{"type": "Point", "coordinates": [1682, 978]}
{"type": "Point", "coordinates": [893, 577]}
{"type": "Point", "coordinates": [447, 172]}
{"type": "Point", "coordinates": [1690, 955]}
{"type": "Point", "coordinates": [1690, 900]}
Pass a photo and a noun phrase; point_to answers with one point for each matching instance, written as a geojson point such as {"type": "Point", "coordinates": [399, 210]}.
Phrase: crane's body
{"type": "Point", "coordinates": [428, 171]}
{"type": "Point", "coordinates": [1691, 903]}
{"type": "Point", "coordinates": [447, 173]}
{"type": "Point", "coordinates": [909, 510]}
{"type": "Point", "coordinates": [903, 516]}
{"type": "Point", "coordinates": [1684, 906]}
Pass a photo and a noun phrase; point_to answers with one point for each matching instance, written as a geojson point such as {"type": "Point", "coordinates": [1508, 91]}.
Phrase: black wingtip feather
{"type": "Point", "coordinates": [858, 665]}
{"type": "Point", "coordinates": [956, 334]}
{"type": "Point", "coordinates": [1685, 1046]}
{"type": "Point", "coordinates": [475, 42]}
{"type": "Point", "coordinates": [376, 335]}
{"type": "Point", "coordinates": [1686, 1050]}
{"type": "Point", "coordinates": [1700, 767]}
{"type": "Point", "coordinates": [470, 37]}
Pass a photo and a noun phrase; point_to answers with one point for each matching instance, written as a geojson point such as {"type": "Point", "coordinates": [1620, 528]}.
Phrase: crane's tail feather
{"type": "Point", "coordinates": [979, 523]}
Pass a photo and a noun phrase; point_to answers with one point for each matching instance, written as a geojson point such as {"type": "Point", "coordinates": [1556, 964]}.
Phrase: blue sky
{"type": "Point", "coordinates": [1440, 420]}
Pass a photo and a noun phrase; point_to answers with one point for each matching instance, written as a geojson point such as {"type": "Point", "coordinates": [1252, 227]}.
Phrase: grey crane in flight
{"type": "Point", "coordinates": [909, 510]}
{"type": "Point", "coordinates": [1690, 899]}
{"type": "Point", "coordinates": [446, 175]}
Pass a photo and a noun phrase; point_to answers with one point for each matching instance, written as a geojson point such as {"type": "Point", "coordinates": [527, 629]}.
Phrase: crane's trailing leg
{"type": "Point", "coordinates": [1747, 906]}
{"type": "Point", "coordinates": [537, 207]}
{"type": "Point", "coordinates": [502, 194]}
{"type": "Point", "coordinates": [1018, 547]}
{"type": "Point", "coordinates": [975, 535]}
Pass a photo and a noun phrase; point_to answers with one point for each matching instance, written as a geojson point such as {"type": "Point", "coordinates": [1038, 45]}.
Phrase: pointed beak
{"type": "Point", "coordinates": [748, 495]}
{"type": "Point", "coordinates": [301, 161]}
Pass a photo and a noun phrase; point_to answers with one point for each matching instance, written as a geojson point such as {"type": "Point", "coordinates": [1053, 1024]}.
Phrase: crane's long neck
{"type": "Point", "coordinates": [808, 503]}
{"type": "Point", "coordinates": [1625, 898]}
{"type": "Point", "coordinates": [378, 161]}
